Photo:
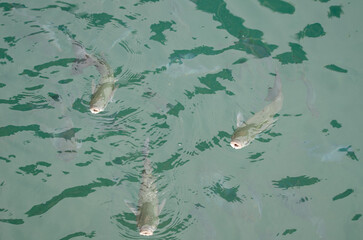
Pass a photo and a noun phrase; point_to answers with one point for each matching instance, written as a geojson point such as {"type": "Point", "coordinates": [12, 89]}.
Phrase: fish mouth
{"type": "Point", "coordinates": [236, 145]}
{"type": "Point", "coordinates": [147, 230]}
{"type": "Point", "coordinates": [95, 110]}
{"type": "Point", "coordinates": [146, 233]}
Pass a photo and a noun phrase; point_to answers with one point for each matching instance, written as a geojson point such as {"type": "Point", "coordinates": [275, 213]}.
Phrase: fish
{"type": "Point", "coordinates": [66, 142]}
{"type": "Point", "coordinates": [310, 97]}
{"type": "Point", "coordinates": [64, 137]}
{"type": "Point", "coordinates": [148, 209]}
{"type": "Point", "coordinates": [103, 93]}
{"type": "Point", "coordinates": [247, 131]}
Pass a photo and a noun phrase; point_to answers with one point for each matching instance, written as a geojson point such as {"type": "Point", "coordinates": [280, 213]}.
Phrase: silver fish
{"type": "Point", "coordinates": [248, 130]}
{"type": "Point", "coordinates": [103, 93]}
{"type": "Point", "coordinates": [148, 209]}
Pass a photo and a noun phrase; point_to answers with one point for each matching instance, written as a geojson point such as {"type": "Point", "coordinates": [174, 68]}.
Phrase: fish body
{"type": "Point", "coordinates": [103, 93]}
{"type": "Point", "coordinates": [148, 209]}
{"type": "Point", "coordinates": [248, 130]}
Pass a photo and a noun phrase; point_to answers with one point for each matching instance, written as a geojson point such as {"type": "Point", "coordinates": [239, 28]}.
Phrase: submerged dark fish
{"type": "Point", "coordinates": [103, 93]}
{"type": "Point", "coordinates": [248, 130]}
{"type": "Point", "coordinates": [64, 137]}
{"type": "Point", "coordinates": [148, 209]}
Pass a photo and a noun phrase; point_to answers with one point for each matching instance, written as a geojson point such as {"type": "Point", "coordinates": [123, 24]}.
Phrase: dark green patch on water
{"type": "Point", "coordinates": [84, 164]}
{"type": "Point", "coordinates": [352, 155]}
{"type": "Point", "coordinates": [297, 55]}
{"type": "Point", "coordinates": [336, 68]}
{"type": "Point", "coordinates": [33, 168]}
{"type": "Point", "coordinates": [10, 40]}
{"type": "Point", "coordinates": [175, 110]}
{"type": "Point", "coordinates": [13, 221]}
{"type": "Point", "coordinates": [60, 62]}
{"type": "Point", "coordinates": [145, 1]}
{"type": "Point", "coordinates": [79, 234]}
{"type": "Point", "coordinates": [71, 8]}
{"type": "Point", "coordinates": [240, 61]}
{"type": "Point", "coordinates": [11, 129]}
{"type": "Point", "coordinates": [127, 158]}
{"type": "Point", "coordinates": [289, 231]}
{"type": "Point", "coordinates": [93, 151]}
{"type": "Point", "coordinates": [4, 55]}
{"type": "Point", "coordinates": [210, 80]}
{"type": "Point", "coordinates": [311, 30]}
{"type": "Point", "coordinates": [80, 105]}
{"type": "Point", "coordinates": [204, 145]}
{"type": "Point", "coordinates": [9, 6]}
{"type": "Point", "coordinates": [159, 28]}
{"type": "Point", "coordinates": [35, 87]}
{"type": "Point", "coordinates": [256, 155]}
{"type": "Point", "coordinates": [335, 11]}
{"type": "Point", "coordinates": [228, 194]}
{"type": "Point", "coordinates": [356, 217]}
{"type": "Point", "coordinates": [65, 81]}
{"type": "Point", "coordinates": [335, 124]}
{"type": "Point", "coordinates": [78, 191]}
{"type": "Point", "coordinates": [96, 19]}
{"type": "Point", "coordinates": [344, 194]}
{"type": "Point", "coordinates": [29, 73]}
{"type": "Point", "coordinates": [171, 163]}
{"type": "Point", "coordinates": [178, 55]}
{"type": "Point", "coordinates": [278, 6]}
{"type": "Point", "coordinates": [290, 182]}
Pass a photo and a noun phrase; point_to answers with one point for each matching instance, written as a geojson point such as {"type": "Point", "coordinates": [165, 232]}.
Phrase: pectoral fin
{"type": "Point", "coordinates": [112, 94]}
{"type": "Point", "coordinates": [132, 207]}
{"type": "Point", "coordinates": [161, 206]}
{"type": "Point", "coordinates": [240, 119]}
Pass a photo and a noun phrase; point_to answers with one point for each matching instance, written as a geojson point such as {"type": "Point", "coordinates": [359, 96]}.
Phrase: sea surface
{"type": "Point", "coordinates": [184, 70]}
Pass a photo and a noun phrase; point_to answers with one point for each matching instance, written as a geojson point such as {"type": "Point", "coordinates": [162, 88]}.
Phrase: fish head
{"type": "Point", "coordinates": [148, 219]}
{"type": "Point", "coordinates": [97, 107]}
{"type": "Point", "coordinates": [101, 97]}
{"type": "Point", "coordinates": [147, 230]}
{"type": "Point", "coordinates": [239, 143]}
{"type": "Point", "coordinates": [242, 136]}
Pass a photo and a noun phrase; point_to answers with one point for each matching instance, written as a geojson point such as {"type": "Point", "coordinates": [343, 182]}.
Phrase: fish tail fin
{"type": "Point", "coordinates": [146, 147]}
{"type": "Point", "coordinates": [83, 58]}
{"type": "Point", "coordinates": [275, 91]}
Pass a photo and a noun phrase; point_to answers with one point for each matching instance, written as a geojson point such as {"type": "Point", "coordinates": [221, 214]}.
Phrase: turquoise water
{"type": "Point", "coordinates": [184, 69]}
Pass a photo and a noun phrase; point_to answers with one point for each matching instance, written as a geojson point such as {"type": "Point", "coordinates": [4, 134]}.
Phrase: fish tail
{"type": "Point", "coordinates": [147, 162]}
{"type": "Point", "coordinates": [83, 58]}
{"type": "Point", "coordinates": [146, 147]}
{"type": "Point", "coordinates": [274, 92]}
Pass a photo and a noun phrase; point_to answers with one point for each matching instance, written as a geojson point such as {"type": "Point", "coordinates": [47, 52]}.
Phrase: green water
{"type": "Point", "coordinates": [184, 69]}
